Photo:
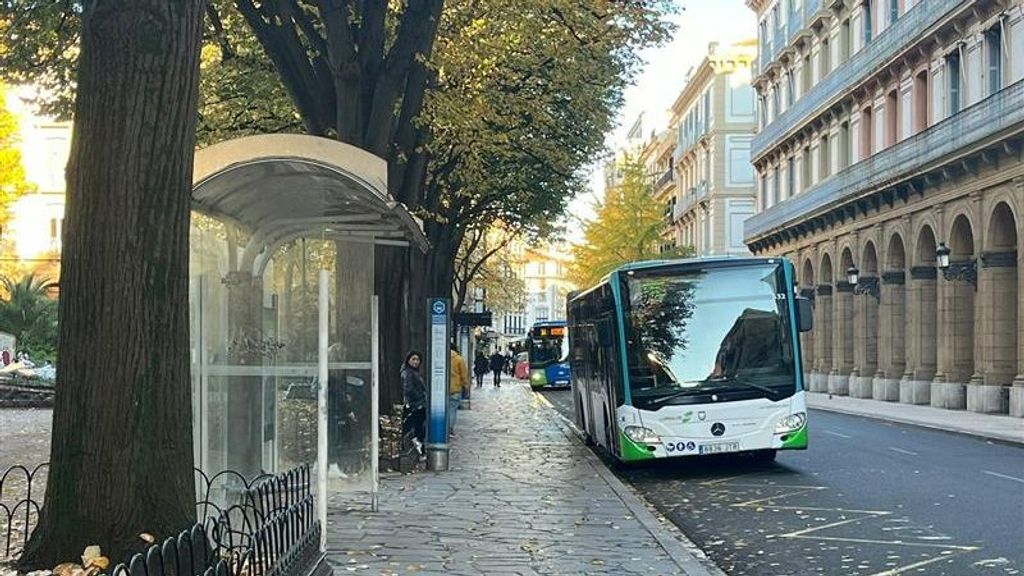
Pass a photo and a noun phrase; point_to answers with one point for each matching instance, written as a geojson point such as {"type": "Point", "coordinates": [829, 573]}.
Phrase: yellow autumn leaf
{"type": "Point", "coordinates": [65, 569]}
{"type": "Point", "coordinates": [147, 537]}
{"type": "Point", "coordinates": [90, 553]}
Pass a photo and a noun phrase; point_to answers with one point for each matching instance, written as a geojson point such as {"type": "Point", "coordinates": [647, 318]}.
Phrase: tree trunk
{"type": "Point", "coordinates": [121, 459]}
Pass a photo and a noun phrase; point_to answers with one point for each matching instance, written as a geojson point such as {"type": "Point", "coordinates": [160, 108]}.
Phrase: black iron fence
{"type": "Point", "coordinates": [262, 526]}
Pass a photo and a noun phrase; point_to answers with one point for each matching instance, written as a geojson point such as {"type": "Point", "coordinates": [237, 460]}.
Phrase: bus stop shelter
{"type": "Point", "coordinates": [283, 313]}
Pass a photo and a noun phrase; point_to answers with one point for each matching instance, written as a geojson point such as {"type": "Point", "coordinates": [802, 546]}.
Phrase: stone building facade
{"type": "Point", "coordinates": [889, 134]}
{"type": "Point", "coordinates": [712, 183]}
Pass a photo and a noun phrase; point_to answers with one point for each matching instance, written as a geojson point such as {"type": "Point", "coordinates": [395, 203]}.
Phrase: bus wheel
{"type": "Point", "coordinates": [765, 456]}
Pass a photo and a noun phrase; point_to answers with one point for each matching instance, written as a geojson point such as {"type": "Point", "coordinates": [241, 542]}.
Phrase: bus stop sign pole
{"type": "Point", "coordinates": [437, 428]}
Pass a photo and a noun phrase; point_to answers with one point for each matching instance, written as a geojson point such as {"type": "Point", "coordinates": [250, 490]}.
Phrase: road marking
{"type": "Point", "coordinates": [909, 567]}
{"type": "Point", "coordinates": [837, 434]}
{"type": "Point", "coordinates": [902, 451]}
{"type": "Point", "coordinates": [803, 490]}
{"type": "Point", "coordinates": [1014, 478]}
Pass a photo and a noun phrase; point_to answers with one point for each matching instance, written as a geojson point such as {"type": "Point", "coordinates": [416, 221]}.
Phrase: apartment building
{"type": "Point", "coordinates": [712, 184]}
{"type": "Point", "coordinates": [32, 237]}
{"type": "Point", "coordinates": [889, 169]}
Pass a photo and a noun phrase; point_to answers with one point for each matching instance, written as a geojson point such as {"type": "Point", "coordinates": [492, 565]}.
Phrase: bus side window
{"type": "Point", "coordinates": [604, 333]}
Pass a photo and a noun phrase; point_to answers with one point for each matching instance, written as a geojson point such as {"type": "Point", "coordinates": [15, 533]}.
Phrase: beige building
{"type": "Point", "coordinates": [33, 234]}
{"type": "Point", "coordinates": [889, 171]}
{"type": "Point", "coordinates": [705, 170]}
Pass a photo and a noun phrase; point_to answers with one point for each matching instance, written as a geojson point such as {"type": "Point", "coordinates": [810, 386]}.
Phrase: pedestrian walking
{"type": "Point", "coordinates": [415, 394]}
{"type": "Point", "coordinates": [497, 365]}
{"type": "Point", "coordinates": [480, 368]}
{"type": "Point", "coordinates": [458, 381]}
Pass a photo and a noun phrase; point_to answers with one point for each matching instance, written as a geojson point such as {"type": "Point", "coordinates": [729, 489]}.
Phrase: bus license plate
{"type": "Point", "coordinates": [720, 448]}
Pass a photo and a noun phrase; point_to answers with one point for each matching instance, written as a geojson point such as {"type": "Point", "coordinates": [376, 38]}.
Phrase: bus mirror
{"type": "Point", "coordinates": [604, 333]}
{"type": "Point", "coordinates": [804, 314]}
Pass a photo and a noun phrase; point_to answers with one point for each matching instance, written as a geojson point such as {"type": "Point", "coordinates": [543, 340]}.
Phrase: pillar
{"type": "Point", "coordinates": [996, 344]}
{"type": "Point", "coordinates": [892, 337]}
{"type": "Point", "coordinates": [922, 336]}
{"type": "Point", "coordinates": [823, 339]}
{"type": "Point", "coordinates": [842, 340]}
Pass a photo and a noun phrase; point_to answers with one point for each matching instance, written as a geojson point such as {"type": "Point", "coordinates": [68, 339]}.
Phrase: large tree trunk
{"type": "Point", "coordinates": [121, 459]}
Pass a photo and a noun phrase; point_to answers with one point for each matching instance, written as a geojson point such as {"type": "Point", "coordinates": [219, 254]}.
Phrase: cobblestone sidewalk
{"type": "Point", "coordinates": [521, 497]}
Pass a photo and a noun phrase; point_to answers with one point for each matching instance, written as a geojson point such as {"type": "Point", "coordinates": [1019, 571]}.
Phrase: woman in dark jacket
{"type": "Point", "coordinates": [480, 368]}
{"type": "Point", "coordinates": [497, 365]}
{"type": "Point", "coordinates": [415, 393]}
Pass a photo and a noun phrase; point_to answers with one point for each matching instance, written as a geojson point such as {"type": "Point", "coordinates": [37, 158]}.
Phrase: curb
{"type": "Point", "coordinates": [687, 555]}
{"type": "Point", "coordinates": [1010, 440]}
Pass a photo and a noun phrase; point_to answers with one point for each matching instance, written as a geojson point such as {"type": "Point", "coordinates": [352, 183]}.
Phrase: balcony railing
{"type": "Point", "coordinates": [664, 180]}
{"type": "Point", "coordinates": [689, 198]}
{"type": "Point", "coordinates": [905, 31]}
{"type": "Point", "coordinates": [998, 115]}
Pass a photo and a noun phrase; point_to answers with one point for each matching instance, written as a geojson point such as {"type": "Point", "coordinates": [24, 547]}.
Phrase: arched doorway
{"type": "Point", "coordinates": [807, 338]}
{"type": "Point", "coordinates": [823, 324]}
{"type": "Point", "coordinates": [892, 323]}
{"type": "Point", "coordinates": [865, 321]}
{"type": "Point", "coordinates": [922, 355]}
{"type": "Point", "coordinates": [957, 314]}
{"type": "Point", "coordinates": [842, 346]}
{"type": "Point", "coordinates": [998, 284]}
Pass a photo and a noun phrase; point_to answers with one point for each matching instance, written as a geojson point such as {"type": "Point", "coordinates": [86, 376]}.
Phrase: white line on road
{"type": "Point", "coordinates": [837, 434]}
{"type": "Point", "coordinates": [902, 451]}
{"type": "Point", "coordinates": [1014, 478]}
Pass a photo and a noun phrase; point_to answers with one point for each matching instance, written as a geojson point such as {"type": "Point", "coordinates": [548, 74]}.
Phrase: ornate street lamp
{"type": "Point", "coordinates": [953, 271]}
{"type": "Point", "coordinates": [860, 285]}
{"type": "Point", "coordinates": [942, 256]}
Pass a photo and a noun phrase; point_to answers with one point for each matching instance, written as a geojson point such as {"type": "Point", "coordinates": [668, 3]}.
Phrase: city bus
{"type": "Point", "coordinates": [546, 350]}
{"type": "Point", "coordinates": [690, 357]}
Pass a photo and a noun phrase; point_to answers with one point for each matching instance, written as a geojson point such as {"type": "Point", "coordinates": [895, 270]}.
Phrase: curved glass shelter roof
{"type": "Point", "coordinates": [283, 186]}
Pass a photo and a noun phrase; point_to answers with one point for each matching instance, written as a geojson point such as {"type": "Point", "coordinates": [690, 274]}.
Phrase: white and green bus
{"type": "Point", "coordinates": [690, 357]}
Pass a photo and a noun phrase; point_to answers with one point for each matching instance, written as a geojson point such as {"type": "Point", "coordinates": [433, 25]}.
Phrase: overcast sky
{"type": "Point", "coordinates": [698, 23]}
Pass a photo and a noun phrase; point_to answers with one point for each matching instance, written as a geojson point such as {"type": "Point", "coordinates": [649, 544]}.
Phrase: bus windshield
{"type": "Point", "coordinates": [547, 345]}
{"type": "Point", "coordinates": [713, 331]}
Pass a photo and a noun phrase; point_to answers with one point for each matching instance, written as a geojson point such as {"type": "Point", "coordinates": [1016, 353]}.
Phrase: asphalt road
{"type": "Point", "coordinates": [867, 497]}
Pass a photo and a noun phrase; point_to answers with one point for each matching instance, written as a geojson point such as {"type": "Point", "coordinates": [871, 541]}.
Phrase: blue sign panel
{"type": "Point", "coordinates": [437, 431]}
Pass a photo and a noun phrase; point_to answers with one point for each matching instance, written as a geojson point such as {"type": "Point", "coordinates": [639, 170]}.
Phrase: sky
{"type": "Point", "coordinates": [698, 23]}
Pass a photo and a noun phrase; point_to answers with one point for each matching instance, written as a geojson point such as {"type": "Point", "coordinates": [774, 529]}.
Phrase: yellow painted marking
{"type": "Point", "coordinates": [800, 533]}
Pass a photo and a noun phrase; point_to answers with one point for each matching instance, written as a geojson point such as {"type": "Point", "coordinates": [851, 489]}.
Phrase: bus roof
{"type": "Point", "coordinates": [654, 264]}
{"type": "Point", "coordinates": [546, 323]}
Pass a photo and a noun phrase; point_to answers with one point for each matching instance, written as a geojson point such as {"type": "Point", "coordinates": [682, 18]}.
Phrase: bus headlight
{"type": "Point", "coordinates": [791, 423]}
{"type": "Point", "coordinates": [641, 435]}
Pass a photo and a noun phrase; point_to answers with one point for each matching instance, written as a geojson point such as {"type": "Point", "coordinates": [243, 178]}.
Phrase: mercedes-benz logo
{"type": "Point", "coordinates": [717, 429]}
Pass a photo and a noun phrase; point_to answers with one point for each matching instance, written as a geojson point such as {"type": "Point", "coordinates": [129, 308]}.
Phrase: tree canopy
{"type": "Point", "coordinates": [12, 172]}
{"type": "Point", "coordinates": [627, 228]}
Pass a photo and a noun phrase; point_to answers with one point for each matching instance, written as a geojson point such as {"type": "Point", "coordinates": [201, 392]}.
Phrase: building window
{"type": "Point", "coordinates": [953, 73]}
{"type": "Point", "coordinates": [53, 229]}
{"type": "Point", "coordinates": [844, 41]}
{"type": "Point", "coordinates": [894, 11]}
{"type": "Point", "coordinates": [764, 192]}
{"type": "Point", "coordinates": [776, 183]}
{"type": "Point", "coordinates": [790, 177]}
{"type": "Point", "coordinates": [776, 108]}
{"type": "Point", "coordinates": [921, 101]}
{"type": "Point", "coordinates": [790, 90]}
{"type": "Point", "coordinates": [806, 72]}
{"type": "Point", "coordinates": [891, 118]}
{"type": "Point", "coordinates": [823, 163]}
{"type": "Point", "coordinates": [867, 22]}
{"type": "Point", "coordinates": [826, 60]}
{"type": "Point", "coordinates": [805, 177]}
{"type": "Point", "coordinates": [844, 145]}
{"type": "Point", "coordinates": [994, 42]}
{"type": "Point", "coordinates": [866, 124]}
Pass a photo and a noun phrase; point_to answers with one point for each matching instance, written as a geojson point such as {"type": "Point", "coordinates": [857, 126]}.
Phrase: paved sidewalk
{"type": "Point", "coordinates": [523, 496]}
{"type": "Point", "coordinates": [989, 426]}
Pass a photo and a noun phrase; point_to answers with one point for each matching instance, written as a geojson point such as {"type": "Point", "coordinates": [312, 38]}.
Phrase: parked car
{"type": "Point", "coordinates": [522, 370]}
